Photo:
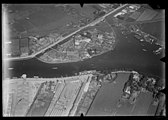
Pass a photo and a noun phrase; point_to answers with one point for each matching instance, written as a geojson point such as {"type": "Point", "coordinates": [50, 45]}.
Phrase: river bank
{"type": "Point", "coordinates": [127, 55]}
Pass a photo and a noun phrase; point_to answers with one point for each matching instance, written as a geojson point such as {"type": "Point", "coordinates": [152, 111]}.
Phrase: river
{"type": "Point", "coordinates": [128, 54]}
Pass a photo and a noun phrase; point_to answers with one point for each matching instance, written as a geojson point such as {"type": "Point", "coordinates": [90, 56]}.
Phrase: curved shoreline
{"type": "Point", "coordinates": [115, 71]}
{"type": "Point", "coordinates": [71, 61]}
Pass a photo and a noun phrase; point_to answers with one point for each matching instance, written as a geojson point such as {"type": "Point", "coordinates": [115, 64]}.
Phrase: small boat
{"type": "Point", "coordinates": [10, 68]}
{"type": "Point", "coordinates": [55, 68]}
{"type": "Point", "coordinates": [144, 49]}
{"type": "Point", "coordinates": [141, 40]}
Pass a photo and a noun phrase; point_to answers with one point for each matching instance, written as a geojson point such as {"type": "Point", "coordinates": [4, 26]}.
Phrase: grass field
{"type": "Point", "coordinates": [107, 98]}
{"type": "Point", "coordinates": [106, 102]}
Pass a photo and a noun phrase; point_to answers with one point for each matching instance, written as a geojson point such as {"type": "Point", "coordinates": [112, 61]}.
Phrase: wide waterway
{"type": "Point", "coordinates": [128, 54]}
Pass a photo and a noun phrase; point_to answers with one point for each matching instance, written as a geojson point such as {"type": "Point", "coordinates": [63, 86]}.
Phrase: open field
{"type": "Point", "coordinates": [33, 98]}
{"type": "Point", "coordinates": [114, 106]}
{"type": "Point", "coordinates": [112, 92]}
{"type": "Point", "coordinates": [41, 20]}
{"type": "Point", "coordinates": [74, 13]}
{"type": "Point", "coordinates": [35, 21]}
{"type": "Point", "coordinates": [148, 14]}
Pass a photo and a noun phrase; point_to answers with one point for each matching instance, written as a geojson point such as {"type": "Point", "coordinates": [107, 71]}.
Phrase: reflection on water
{"type": "Point", "coordinates": [128, 54]}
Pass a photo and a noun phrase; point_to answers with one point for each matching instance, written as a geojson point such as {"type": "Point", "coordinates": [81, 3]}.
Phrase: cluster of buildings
{"type": "Point", "coordinates": [81, 46]}
{"type": "Point", "coordinates": [106, 77]}
{"type": "Point", "coordinates": [142, 35]}
{"type": "Point", "coordinates": [109, 7]}
{"type": "Point", "coordinates": [137, 83]}
{"type": "Point", "coordinates": [139, 34]}
{"type": "Point", "coordinates": [35, 44]}
{"type": "Point", "coordinates": [127, 11]}
{"type": "Point", "coordinates": [136, 13]}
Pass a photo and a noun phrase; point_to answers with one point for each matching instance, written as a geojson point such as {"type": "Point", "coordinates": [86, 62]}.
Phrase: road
{"type": "Point", "coordinates": [63, 38]}
{"type": "Point", "coordinates": [142, 22]}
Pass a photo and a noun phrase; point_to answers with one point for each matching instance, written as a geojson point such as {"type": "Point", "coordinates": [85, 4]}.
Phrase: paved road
{"type": "Point", "coordinates": [63, 38]}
